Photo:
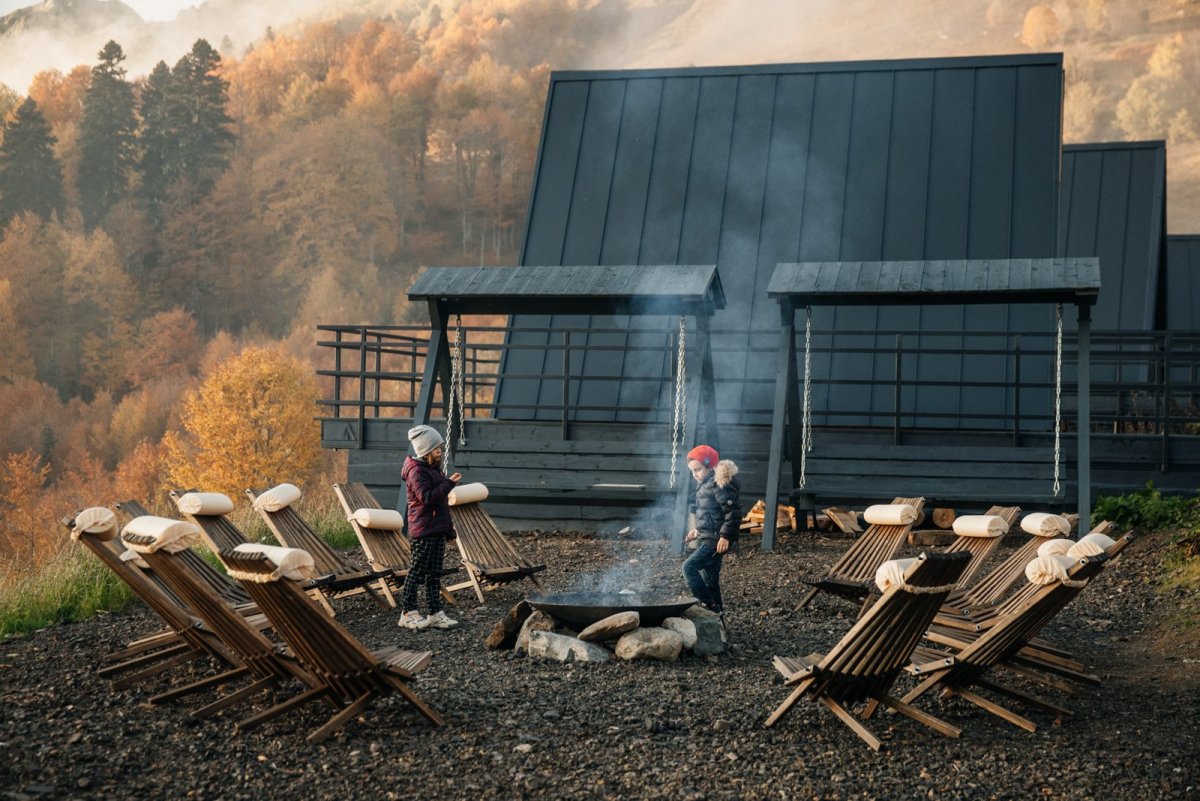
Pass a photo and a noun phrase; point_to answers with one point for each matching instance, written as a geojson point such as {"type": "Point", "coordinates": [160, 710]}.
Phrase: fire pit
{"type": "Point", "coordinates": [582, 609]}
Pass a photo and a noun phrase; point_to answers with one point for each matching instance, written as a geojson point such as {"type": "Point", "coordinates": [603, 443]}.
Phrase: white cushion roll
{"type": "Point", "coordinates": [890, 514]}
{"type": "Point", "coordinates": [169, 535]}
{"type": "Point", "coordinates": [95, 521]}
{"type": "Point", "coordinates": [1042, 524]}
{"type": "Point", "coordinates": [277, 498]}
{"type": "Point", "coordinates": [980, 526]}
{"type": "Point", "coordinates": [1091, 545]}
{"type": "Point", "coordinates": [468, 493]}
{"type": "Point", "coordinates": [1055, 547]}
{"type": "Point", "coordinates": [1047, 569]}
{"type": "Point", "coordinates": [891, 574]}
{"type": "Point", "coordinates": [290, 563]}
{"type": "Point", "coordinates": [204, 503]}
{"type": "Point", "coordinates": [385, 519]}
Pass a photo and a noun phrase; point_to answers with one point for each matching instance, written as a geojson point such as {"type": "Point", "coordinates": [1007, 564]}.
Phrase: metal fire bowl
{"type": "Point", "coordinates": [582, 609]}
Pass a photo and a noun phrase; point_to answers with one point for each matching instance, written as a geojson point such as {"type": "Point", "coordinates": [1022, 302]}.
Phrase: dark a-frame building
{"type": "Point", "coordinates": [954, 160]}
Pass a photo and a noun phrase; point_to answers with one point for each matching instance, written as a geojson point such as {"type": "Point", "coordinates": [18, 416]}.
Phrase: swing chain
{"type": "Point", "coordinates": [806, 414]}
{"type": "Point", "coordinates": [679, 420]}
{"type": "Point", "coordinates": [1058, 365]}
{"type": "Point", "coordinates": [455, 405]}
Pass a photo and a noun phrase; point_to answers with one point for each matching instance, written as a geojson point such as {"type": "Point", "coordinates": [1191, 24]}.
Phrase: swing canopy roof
{"type": "Point", "coordinates": [683, 289]}
{"type": "Point", "coordinates": [960, 281]}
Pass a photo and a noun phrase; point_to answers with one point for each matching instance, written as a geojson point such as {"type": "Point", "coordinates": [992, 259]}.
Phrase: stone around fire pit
{"type": "Point", "coordinates": [611, 627]}
{"type": "Point", "coordinates": [548, 645]}
{"type": "Point", "coordinates": [710, 634]}
{"type": "Point", "coordinates": [684, 628]}
{"type": "Point", "coordinates": [651, 643]}
{"type": "Point", "coordinates": [538, 621]}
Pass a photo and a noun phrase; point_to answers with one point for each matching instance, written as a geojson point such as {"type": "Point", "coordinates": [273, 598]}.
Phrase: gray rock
{"type": "Point", "coordinates": [538, 621]}
{"type": "Point", "coordinates": [650, 643]}
{"type": "Point", "coordinates": [561, 648]}
{"type": "Point", "coordinates": [710, 635]}
{"type": "Point", "coordinates": [611, 627]}
{"type": "Point", "coordinates": [684, 628]}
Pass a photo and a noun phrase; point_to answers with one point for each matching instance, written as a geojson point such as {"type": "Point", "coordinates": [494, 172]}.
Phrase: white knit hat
{"type": "Point", "coordinates": [424, 439]}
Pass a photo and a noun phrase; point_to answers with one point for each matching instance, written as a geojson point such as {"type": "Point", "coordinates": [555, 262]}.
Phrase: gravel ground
{"type": "Point", "coordinates": [519, 728]}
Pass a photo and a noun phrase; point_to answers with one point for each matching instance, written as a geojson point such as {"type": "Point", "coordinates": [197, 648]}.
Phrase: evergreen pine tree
{"type": "Point", "coordinates": [199, 119]}
{"type": "Point", "coordinates": [156, 138]}
{"type": "Point", "coordinates": [106, 136]}
{"type": "Point", "coordinates": [30, 175]}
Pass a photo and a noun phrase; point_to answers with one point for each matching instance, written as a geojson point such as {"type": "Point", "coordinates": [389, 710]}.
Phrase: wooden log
{"type": "Point", "coordinates": [943, 517]}
{"type": "Point", "coordinates": [504, 633]}
{"type": "Point", "coordinates": [934, 537]}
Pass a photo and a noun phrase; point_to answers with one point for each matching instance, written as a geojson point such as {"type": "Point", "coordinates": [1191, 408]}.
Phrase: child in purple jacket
{"type": "Point", "coordinates": [429, 526]}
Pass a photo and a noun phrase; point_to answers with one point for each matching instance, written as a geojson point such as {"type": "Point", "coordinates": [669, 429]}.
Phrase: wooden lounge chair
{"type": "Point", "coordinates": [961, 671]}
{"type": "Point", "coordinates": [293, 531]}
{"type": "Point", "coordinates": [262, 660]}
{"type": "Point", "coordinates": [865, 663]}
{"type": "Point", "coordinates": [852, 576]}
{"type": "Point", "coordinates": [229, 591]}
{"type": "Point", "coordinates": [185, 640]}
{"type": "Point", "coordinates": [222, 535]}
{"type": "Point", "coordinates": [349, 676]}
{"type": "Point", "coordinates": [385, 549]}
{"type": "Point", "coordinates": [973, 608]}
{"type": "Point", "coordinates": [489, 557]}
{"type": "Point", "coordinates": [981, 548]}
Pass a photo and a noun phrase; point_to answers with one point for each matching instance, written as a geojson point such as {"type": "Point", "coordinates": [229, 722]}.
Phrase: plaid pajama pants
{"type": "Point", "coordinates": [428, 553]}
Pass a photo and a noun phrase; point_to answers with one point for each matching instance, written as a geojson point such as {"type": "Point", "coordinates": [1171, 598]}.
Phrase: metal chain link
{"type": "Point", "coordinates": [806, 413]}
{"type": "Point", "coordinates": [454, 409]}
{"type": "Point", "coordinates": [679, 420]}
{"type": "Point", "coordinates": [1058, 364]}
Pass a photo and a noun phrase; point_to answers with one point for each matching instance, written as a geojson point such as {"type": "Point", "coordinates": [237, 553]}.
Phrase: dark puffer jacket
{"type": "Point", "coordinates": [716, 503]}
{"type": "Point", "coordinates": [428, 499]}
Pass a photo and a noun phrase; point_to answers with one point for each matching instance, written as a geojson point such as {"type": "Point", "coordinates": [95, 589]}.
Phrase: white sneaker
{"type": "Point", "coordinates": [440, 620]}
{"type": "Point", "coordinates": [414, 620]}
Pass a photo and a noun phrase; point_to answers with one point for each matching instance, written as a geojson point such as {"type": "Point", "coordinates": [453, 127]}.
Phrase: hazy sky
{"type": "Point", "coordinates": [147, 9]}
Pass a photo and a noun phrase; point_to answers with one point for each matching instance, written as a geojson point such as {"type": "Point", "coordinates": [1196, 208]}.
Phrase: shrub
{"type": "Point", "coordinates": [1148, 509]}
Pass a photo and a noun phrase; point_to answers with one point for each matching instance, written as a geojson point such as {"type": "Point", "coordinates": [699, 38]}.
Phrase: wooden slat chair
{"type": "Point", "coordinates": [1038, 654]}
{"type": "Point", "coordinates": [349, 676]}
{"type": "Point", "coordinates": [853, 575]}
{"type": "Point", "coordinates": [489, 557]}
{"type": "Point", "coordinates": [384, 549]}
{"type": "Point", "coordinates": [229, 591]}
{"type": "Point", "coordinates": [221, 535]}
{"type": "Point", "coordinates": [185, 640]}
{"type": "Point", "coordinates": [293, 531]}
{"type": "Point", "coordinates": [263, 661]}
{"type": "Point", "coordinates": [959, 673]}
{"type": "Point", "coordinates": [865, 663]}
{"type": "Point", "coordinates": [973, 608]}
{"type": "Point", "coordinates": [981, 548]}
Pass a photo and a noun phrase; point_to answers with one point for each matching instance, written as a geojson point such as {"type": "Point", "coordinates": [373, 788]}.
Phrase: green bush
{"type": "Point", "coordinates": [1148, 509]}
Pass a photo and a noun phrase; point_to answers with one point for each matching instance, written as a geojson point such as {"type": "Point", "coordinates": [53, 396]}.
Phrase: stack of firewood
{"type": "Point", "coordinates": [755, 519]}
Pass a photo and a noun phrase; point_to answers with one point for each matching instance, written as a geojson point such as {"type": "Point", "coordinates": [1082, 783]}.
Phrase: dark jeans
{"type": "Point", "coordinates": [702, 570]}
{"type": "Point", "coordinates": [428, 552]}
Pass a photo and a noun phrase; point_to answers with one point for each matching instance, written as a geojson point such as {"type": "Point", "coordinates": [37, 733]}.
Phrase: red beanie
{"type": "Point", "coordinates": [704, 454]}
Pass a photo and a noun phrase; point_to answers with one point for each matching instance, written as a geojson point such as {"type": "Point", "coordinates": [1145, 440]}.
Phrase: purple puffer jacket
{"type": "Point", "coordinates": [428, 499]}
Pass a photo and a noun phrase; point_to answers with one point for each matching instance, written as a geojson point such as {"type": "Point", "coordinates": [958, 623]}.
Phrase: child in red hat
{"type": "Point", "coordinates": [717, 510]}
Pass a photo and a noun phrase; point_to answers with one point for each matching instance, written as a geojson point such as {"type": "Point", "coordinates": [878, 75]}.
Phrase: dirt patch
{"type": "Point", "coordinates": [519, 728]}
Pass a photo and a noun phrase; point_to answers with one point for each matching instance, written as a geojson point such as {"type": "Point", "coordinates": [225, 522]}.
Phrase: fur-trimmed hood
{"type": "Point", "coordinates": [724, 472]}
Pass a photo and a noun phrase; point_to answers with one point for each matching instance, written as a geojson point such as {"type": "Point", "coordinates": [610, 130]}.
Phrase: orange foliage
{"type": "Point", "coordinates": [249, 424]}
{"type": "Point", "coordinates": [22, 476]}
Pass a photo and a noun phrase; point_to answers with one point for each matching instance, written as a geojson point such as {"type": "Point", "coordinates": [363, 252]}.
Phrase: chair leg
{"type": "Point", "coordinates": [197, 686]}
{"type": "Point", "coordinates": [788, 703]}
{"type": "Point", "coordinates": [136, 647]}
{"type": "Point", "coordinates": [427, 711]}
{"type": "Point", "coordinates": [1029, 700]}
{"type": "Point", "coordinates": [337, 721]}
{"type": "Point", "coordinates": [385, 591]}
{"type": "Point", "coordinates": [921, 688]}
{"type": "Point", "coordinates": [851, 722]}
{"type": "Point", "coordinates": [919, 715]}
{"type": "Point", "coordinates": [474, 574]}
{"type": "Point", "coordinates": [130, 680]}
{"type": "Point", "coordinates": [370, 590]}
{"type": "Point", "coordinates": [807, 598]}
{"type": "Point", "coordinates": [208, 710]}
{"type": "Point", "coordinates": [997, 710]}
{"type": "Point", "coordinates": [296, 700]}
{"type": "Point", "coordinates": [144, 659]}
{"type": "Point", "coordinates": [532, 577]}
{"type": "Point", "coordinates": [324, 602]}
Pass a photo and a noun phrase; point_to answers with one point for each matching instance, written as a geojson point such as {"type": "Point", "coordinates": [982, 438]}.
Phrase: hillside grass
{"type": "Point", "coordinates": [74, 585]}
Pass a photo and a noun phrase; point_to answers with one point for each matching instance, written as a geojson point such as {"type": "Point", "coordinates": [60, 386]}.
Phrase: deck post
{"type": "Point", "coordinates": [436, 359]}
{"type": "Point", "coordinates": [708, 389]}
{"type": "Point", "coordinates": [1084, 423]}
{"type": "Point", "coordinates": [785, 378]}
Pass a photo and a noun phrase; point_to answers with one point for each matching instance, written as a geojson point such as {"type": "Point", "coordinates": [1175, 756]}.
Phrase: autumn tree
{"type": "Point", "coordinates": [249, 424]}
{"type": "Point", "coordinates": [106, 136]}
{"type": "Point", "coordinates": [30, 175]}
